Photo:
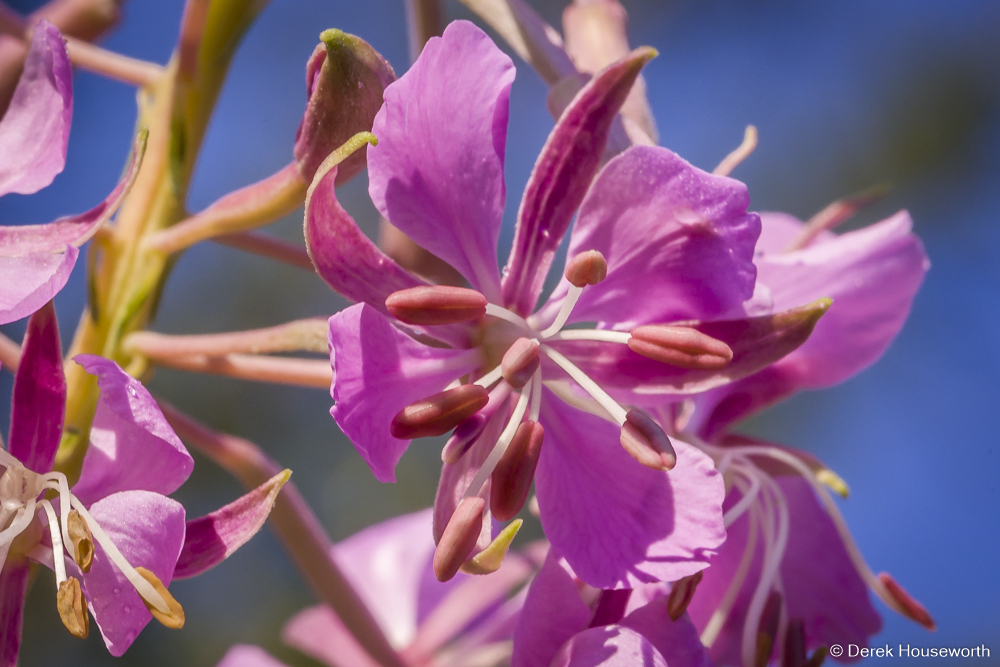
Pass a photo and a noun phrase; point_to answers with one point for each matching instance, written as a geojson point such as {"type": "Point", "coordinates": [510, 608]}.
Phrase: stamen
{"type": "Point", "coordinates": [572, 296]}
{"type": "Point", "coordinates": [438, 414]}
{"type": "Point", "coordinates": [721, 613]}
{"type": "Point", "coordinates": [82, 541]}
{"type": "Point", "coordinates": [459, 537]}
{"type": "Point", "coordinates": [536, 396]}
{"type": "Point", "coordinates": [775, 541]}
{"type": "Point", "coordinates": [173, 618]}
{"type": "Point", "coordinates": [906, 604]}
{"type": "Point", "coordinates": [646, 442]}
{"type": "Point", "coordinates": [749, 496]}
{"type": "Point", "coordinates": [73, 608]}
{"type": "Point", "coordinates": [604, 335]}
{"type": "Point", "coordinates": [22, 517]}
{"type": "Point", "coordinates": [520, 362]}
{"type": "Point", "coordinates": [836, 213]}
{"type": "Point", "coordinates": [487, 380]}
{"type": "Point", "coordinates": [436, 304]}
{"type": "Point", "coordinates": [58, 564]}
{"type": "Point", "coordinates": [465, 434]}
{"type": "Point", "coordinates": [504, 314]}
{"type": "Point", "coordinates": [681, 594]}
{"type": "Point", "coordinates": [741, 153]}
{"type": "Point", "coordinates": [616, 411]}
{"type": "Point", "coordinates": [680, 346]}
{"type": "Point", "coordinates": [506, 436]}
{"type": "Point", "coordinates": [587, 268]}
{"type": "Point", "coordinates": [515, 470]}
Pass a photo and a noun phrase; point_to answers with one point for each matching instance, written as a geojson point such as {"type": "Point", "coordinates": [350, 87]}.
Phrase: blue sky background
{"type": "Point", "coordinates": [845, 94]}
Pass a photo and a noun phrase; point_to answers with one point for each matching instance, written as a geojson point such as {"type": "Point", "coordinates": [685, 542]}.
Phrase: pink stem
{"type": "Point", "coordinates": [308, 335]}
{"type": "Point", "coordinates": [268, 246]}
{"type": "Point", "coordinates": [112, 65]}
{"type": "Point", "coordinates": [279, 370]}
{"type": "Point", "coordinates": [10, 354]}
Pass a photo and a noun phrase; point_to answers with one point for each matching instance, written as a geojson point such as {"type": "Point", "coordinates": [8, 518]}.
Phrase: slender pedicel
{"type": "Point", "coordinates": [681, 594]}
{"type": "Point", "coordinates": [459, 537]}
{"type": "Point", "coordinates": [440, 413]}
{"type": "Point", "coordinates": [511, 479]}
{"type": "Point", "coordinates": [436, 304]}
{"type": "Point", "coordinates": [520, 362]}
{"type": "Point", "coordinates": [646, 442]}
{"type": "Point", "coordinates": [680, 346]}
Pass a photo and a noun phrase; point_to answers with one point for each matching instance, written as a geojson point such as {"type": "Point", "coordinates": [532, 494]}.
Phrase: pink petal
{"type": "Point", "coordinates": [377, 371]}
{"type": "Point", "coordinates": [318, 633]}
{"type": "Point", "coordinates": [35, 130]}
{"type": "Point", "coordinates": [678, 241]}
{"type": "Point", "coordinates": [245, 655]}
{"type": "Point", "coordinates": [28, 281]}
{"type": "Point", "coordinates": [553, 613]}
{"type": "Point", "coordinates": [677, 641]}
{"type": "Point", "coordinates": [437, 172]}
{"type": "Point", "coordinates": [609, 646]}
{"type": "Point", "coordinates": [211, 539]}
{"type": "Point", "coordinates": [131, 445]}
{"type": "Point", "coordinates": [39, 394]}
{"type": "Point", "coordinates": [13, 587]}
{"type": "Point", "coordinates": [149, 531]}
{"type": "Point", "coordinates": [561, 177]}
{"type": "Point", "coordinates": [618, 523]}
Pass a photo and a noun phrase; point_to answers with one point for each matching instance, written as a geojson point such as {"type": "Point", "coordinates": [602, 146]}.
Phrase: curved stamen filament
{"type": "Point", "coordinates": [57, 482]}
{"type": "Point", "coordinates": [58, 555]}
{"type": "Point", "coordinates": [490, 378]}
{"type": "Point", "coordinates": [721, 613]}
{"type": "Point", "coordinates": [475, 487]}
{"type": "Point", "coordinates": [504, 314]}
{"type": "Point", "coordinates": [604, 335]}
{"type": "Point", "coordinates": [617, 412]}
{"type": "Point", "coordinates": [142, 587]}
{"type": "Point", "coordinates": [536, 395]}
{"type": "Point", "coordinates": [776, 539]}
{"type": "Point", "coordinates": [749, 496]}
{"type": "Point", "coordinates": [572, 296]}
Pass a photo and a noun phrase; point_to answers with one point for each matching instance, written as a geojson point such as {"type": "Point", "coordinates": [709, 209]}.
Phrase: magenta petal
{"type": "Point", "coordinates": [618, 523]}
{"type": "Point", "coordinates": [35, 130]}
{"type": "Point", "coordinates": [561, 176]}
{"type": "Point", "coordinates": [609, 646]}
{"type": "Point", "coordinates": [677, 641]}
{"type": "Point", "coordinates": [872, 274]}
{"type": "Point", "coordinates": [39, 394]}
{"type": "Point", "coordinates": [321, 635]}
{"type": "Point", "coordinates": [211, 539]}
{"type": "Point", "coordinates": [437, 172]}
{"type": "Point", "coordinates": [131, 444]}
{"type": "Point", "coordinates": [678, 241]}
{"type": "Point", "coordinates": [245, 655]}
{"type": "Point", "coordinates": [29, 281]}
{"type": "Point", "coordinates": [13, 586]}
{"type": "Point", "coordinates": [149, 531]}
{"type": "Point", "coordinates": [553, 613]}
{"type": "Point", "coordinates": [377, 371]}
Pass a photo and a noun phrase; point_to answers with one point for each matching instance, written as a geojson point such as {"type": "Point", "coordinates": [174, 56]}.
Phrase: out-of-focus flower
{"type": "Point", "coordinates": [656, 240]}
{"type": "Point", "coordinates": [122, 534]}
{"type": "Point", "coordinates": [36, 260]}
{"type": "Point", "coordinates": [789, 578]}
{"type": "Point", "coordinates": [463, 622]}
{"type": "Point", "coordinates": [565, 623]}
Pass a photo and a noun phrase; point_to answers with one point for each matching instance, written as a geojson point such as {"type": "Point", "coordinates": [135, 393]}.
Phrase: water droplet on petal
{"type": "Point", "coordinates": [127, 609]}
{"type": "Point", "coordinates": [116, 590]}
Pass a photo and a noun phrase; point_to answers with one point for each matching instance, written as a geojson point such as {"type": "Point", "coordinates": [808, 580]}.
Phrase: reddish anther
{"type": "Point", "coordinates": [681, 594]}
{"type": "Point", "coordinates": [520, 362]}
{"type": "Point", "coordinates": [646, 442]}
{"type": "Point", "coordinates": [515, 470]}
{"type": "Point", "coordinates": [438, 414]}
{"type": "Point", "coordinates": [463, 437]}
{"type": "Point", "coordinates": [908, 606]}
{"type": "Point", "coordinates": [436, 304]}
{"type": "Point", "coordinates": [587, 268]}
{"type": "Point", "coordinates": [680, 346]}
{"type": "Point", "coordinates": [459, 537]}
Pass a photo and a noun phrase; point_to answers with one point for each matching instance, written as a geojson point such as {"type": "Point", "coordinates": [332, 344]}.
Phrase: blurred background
{"type": "Point", "coordinates": [846, 94]}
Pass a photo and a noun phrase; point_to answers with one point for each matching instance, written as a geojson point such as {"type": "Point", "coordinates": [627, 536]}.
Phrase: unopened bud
{"type": "Point", "coordinates": [520, 362]}
{"type": "Point", "coordinates": [173, 617]}
{"type": "Point", "coordinates": [73, 608]}
{"type": "Point", "coordinates": [436, 304]}
{"type": "Point", "coordinates": [345, 79]}
{"type": "Point", "coordinates": [438, 414]}
{"type": "Point", "coordinates": [511, 479]}
{"type": "Point", "coordinates": [465, 434]}
{"type": "Point", "coordinates": [587, 268]}
{"type": "Point", "coordinates": [905, 604]}
{"type": "Point", "coordinates": [681, 594]}
{"type": "Point", "coordinates": [680, 346]}
{"type": "Point", "coordinates": [646, 442]}
{"type": "Point", "coordinates": [82, 540]}
{"type": "Point", "coordinates": [459, 537]}
{"type": "Point", "coordinates": [491, 558]}
{"type": "Point", "coordinates": [767, 630]}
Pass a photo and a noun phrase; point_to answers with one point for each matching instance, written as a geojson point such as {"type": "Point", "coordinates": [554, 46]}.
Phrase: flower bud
{"type": "Point", "coordinates": [520, 362]}
{"type": "Point", "coordinates": [345, 78]}
{"type": "Point", "coordinates": [515, 470]}
{"type": "Point", "coordinates": [438, 414]}
{"type": "Point", "coordinates": [646, 442]}
{"type": "Point", "coordinates": [680, 346]}
{"type": "Point", "coordinates": [459, 537]}
{"type": "Point", "coordinates": [587, 268]}
{"type": "Point", "coordinates": [436, 304]}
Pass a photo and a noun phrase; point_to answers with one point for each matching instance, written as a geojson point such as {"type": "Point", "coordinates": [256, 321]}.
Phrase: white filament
{"type": "Point", "coordinates": [498, 450]}
{"type": "Point", "coordinates": [572, 296]}
{"type": "Point", "coordinates": [604, 335]}
{"type": "Point", "coordinates": [616, 411]}
{"type": "Point", "coordinates": [513, 318]}
{"type": "Point", "coordinates": [58, 558]}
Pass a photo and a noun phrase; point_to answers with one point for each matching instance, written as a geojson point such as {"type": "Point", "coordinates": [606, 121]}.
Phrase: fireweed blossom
{"type": "Point", "coordinates": [656, 241]}
{"type": "Point", "coordinates": [114, 540]}
{"type": "Point", "coordinates": [463, 622]}
{"type": "Point", "coordinates": [36, 260]}
{"type": "Point", "coordinates": [565, 623]}
{"type": "Point", "coordinates": [789, 578]}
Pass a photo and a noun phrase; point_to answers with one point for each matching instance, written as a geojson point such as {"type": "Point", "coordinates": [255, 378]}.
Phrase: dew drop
{"type": "Point", "coordinates": [116, 590]}
{"type": "Point", "coordinates": [127, 609]}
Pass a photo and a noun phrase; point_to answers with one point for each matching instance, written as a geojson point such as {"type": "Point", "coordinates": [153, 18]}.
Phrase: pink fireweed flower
{"type": "Point", "coordinates": [656, 241]}
{"type": "Point", "coordinates": [114, 539]}
{"type": "Point", "coordinates": [790, 579]}
{"type": "Point", "coordinates": [36, 260]}
{"type": "Point", "coordinates": [565, 623]}
{"type": "Point", "coordinates": [459, 623]}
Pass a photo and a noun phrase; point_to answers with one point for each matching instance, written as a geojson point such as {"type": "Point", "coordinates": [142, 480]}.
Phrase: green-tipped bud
{"type": "Point", "coordinates": [345, 78]}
